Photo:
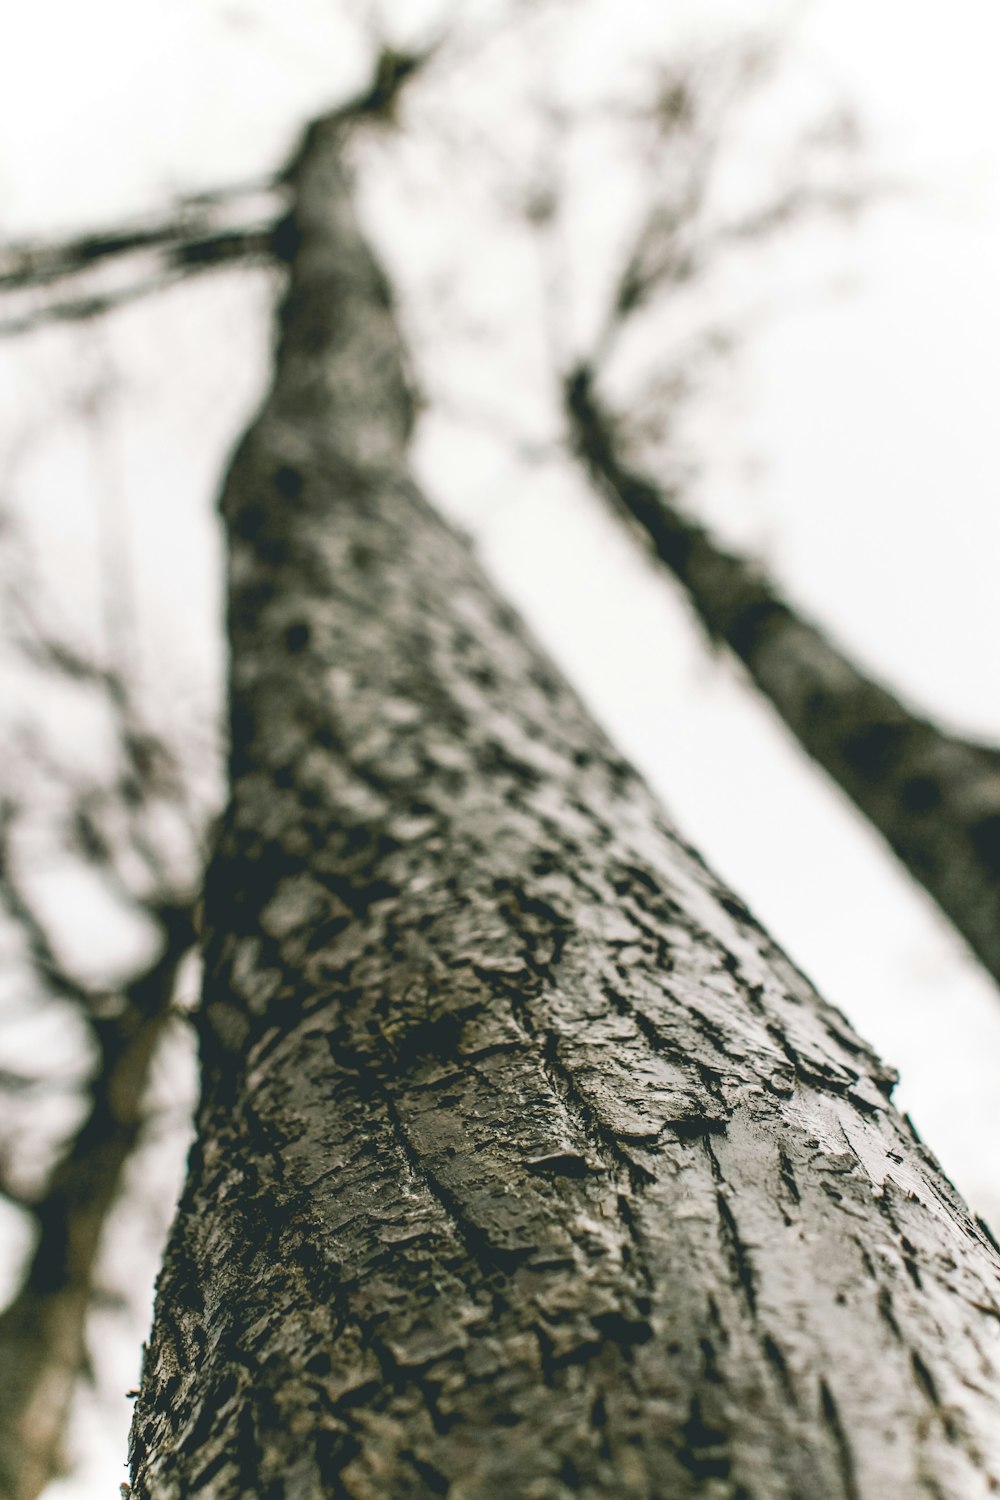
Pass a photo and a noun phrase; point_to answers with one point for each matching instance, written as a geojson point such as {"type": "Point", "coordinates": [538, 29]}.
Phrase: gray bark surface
{"type": "Point", "coordinates": [933, 796]}
{"type": "Point", "coordinates": [526, 1165]}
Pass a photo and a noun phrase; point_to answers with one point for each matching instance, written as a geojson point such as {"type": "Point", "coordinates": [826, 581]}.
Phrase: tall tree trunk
{"type": "Point", "coordinates": [526, 1164]}
{"type": "Point", "coordinates": [934, 798]}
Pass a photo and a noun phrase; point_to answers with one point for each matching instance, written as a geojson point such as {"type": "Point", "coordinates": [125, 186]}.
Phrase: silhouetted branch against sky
{"type": "Point", "coordinates": [71, 1117]}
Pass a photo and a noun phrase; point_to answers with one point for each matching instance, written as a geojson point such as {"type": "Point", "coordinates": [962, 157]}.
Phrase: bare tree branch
{"type": "Point", "coordinates": [935, 798]}
{"type": "Point", "coordinates": [49, 969]}
{"type": "Point", "coordinates": [42, 1331]}
{"type": "Point", "coordinates": [203, 232]}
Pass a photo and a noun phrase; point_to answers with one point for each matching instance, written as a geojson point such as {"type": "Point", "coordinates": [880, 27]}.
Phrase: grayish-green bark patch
{"type": "Point", "coordinates": [527, 1166]}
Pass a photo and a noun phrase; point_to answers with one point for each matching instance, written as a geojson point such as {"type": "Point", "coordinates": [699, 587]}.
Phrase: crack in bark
{"type": "Point", "coordinates": [831, 1416]}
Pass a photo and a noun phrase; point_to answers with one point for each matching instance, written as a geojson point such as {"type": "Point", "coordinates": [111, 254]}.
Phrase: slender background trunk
{"type": "Point", "coordinates": [43, 1344]}
{"type": "Point", "coordinates": [934, 798]}
{"type": "Point", "coordinates": [526, 1164]}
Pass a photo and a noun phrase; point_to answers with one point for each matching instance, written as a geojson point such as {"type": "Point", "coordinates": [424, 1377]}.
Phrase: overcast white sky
{"type": "Point", "coordinates": [854, 445]}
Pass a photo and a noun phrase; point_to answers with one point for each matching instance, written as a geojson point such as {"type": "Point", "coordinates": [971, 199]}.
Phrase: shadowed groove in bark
{"type": "Point", "coordinates": [526, 1163]}
{"type": "Point", "coordinates": [934, 798]}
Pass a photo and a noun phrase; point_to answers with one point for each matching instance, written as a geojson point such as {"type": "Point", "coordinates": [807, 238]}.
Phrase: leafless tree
{"type": "Point", "coordinates": [524, 1159]}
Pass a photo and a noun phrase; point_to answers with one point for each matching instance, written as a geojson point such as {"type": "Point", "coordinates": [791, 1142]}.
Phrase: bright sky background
{"type": "Point", "coordinates": [854, 445]}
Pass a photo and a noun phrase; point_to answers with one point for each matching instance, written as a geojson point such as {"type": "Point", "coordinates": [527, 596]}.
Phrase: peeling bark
{"type": "Point", "coordinates": [934, 798]}
{"type": "Point", "coordinates": [526, 1164]}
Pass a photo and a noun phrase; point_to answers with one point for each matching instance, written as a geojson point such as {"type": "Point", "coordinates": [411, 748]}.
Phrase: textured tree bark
{"type": "Point", "coordinates": [526, 1165]}
{"type": "Point", "coordinates": [934, 798]}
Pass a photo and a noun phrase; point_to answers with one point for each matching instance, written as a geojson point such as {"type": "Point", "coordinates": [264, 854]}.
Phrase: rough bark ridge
{"type": "Point", "coordinates": [934, 798]}
{"type": "Point", "coordinates": [526, 1165]}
